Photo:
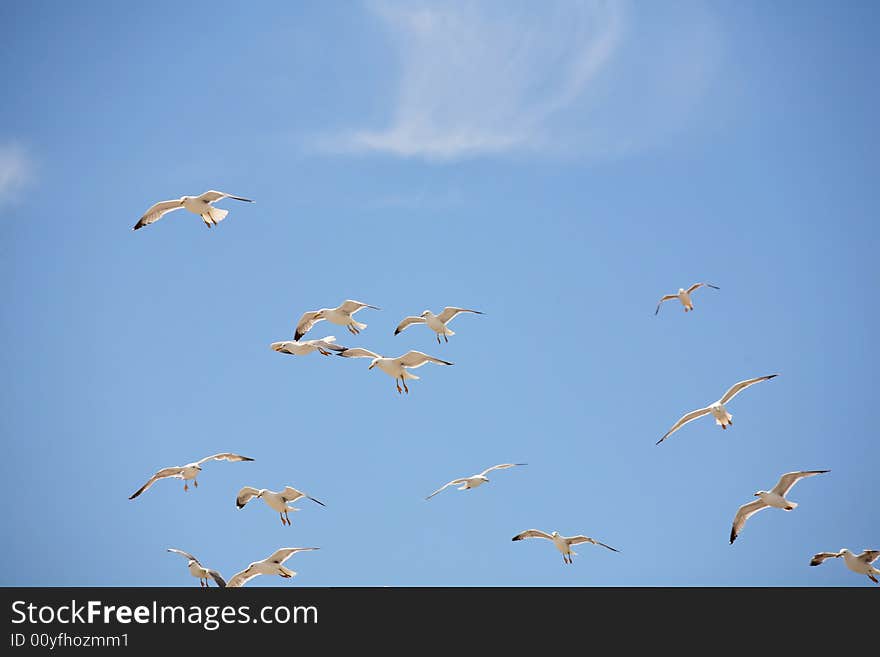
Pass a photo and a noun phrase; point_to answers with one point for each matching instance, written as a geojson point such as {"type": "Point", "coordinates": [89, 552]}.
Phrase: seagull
{"type": "Point", "coordinates": [276, 501]}
{"type": "Point", "coordinates": [187, 472]}
{"type": "Point", "coordinates": [200, 205]}
{"type": "Point", "coordinates": [341, 315]}
{"type": "Point", "coordinates": [436, 323]}
{"type": "Point", "coordinates": [473, 481]}
{"type": "Point", "coordinates": [396, 367]}
{"type": "Point", "coordinates": [323, 346]}
{"type": "Point", "coordinates": [858, 563]}
{"type": "Point", "coordinates": [196, 569]}
{"type": "Point", "coordinates": [722, 417]}
{"type": "Point", "coordinates": [685, 296]}
{"type": "Point", "coordinates": [270, 566]}
{"type": "Point", "coordinates": [774, 498]}
{"type": "Point", "coordinates": [562, 543]}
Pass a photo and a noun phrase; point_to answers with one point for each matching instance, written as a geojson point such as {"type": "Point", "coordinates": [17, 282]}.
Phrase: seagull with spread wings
{"type": "Point", "coordinates": [475, 480]}
{"type": "Point", "coordinates": [277, 501]}
{"type": "Point", "coordinates": [562, 543]}
{"type": "Point", "coordinates": [272, 565]}
{"type": "Point", "coordinates": [395, 367]}
{"type": "Point", "coordinates": [685, 296]}
{"type": "Point", "coordinates": [187, 472]}
{"type": "Point", "coordinates": [437, 323]}
{"type": "Point", "coordinates": [196, 569]}
{"type": "Point", "coordinates": [858, 563]}
{"type": "Point", "coordinates": [200, 205]}
{"type": "Point", "coordinates": [341, 315]}
{"type": "Point", "coordinates": [774, 497]}
{"type": "Point", "coordinates": [323, 346]}
{"type": "Point", "coordinates": [717, 409]}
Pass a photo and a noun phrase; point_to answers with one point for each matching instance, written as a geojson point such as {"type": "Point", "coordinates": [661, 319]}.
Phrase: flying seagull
{"type": "Point", "coordinates": [858, 563]}
{"type": "Point", "coordinates": [722, 417]}
{"type": "Point", "coordinates": [196, 569]}
{"type": "Point", "coordinates": [396, 367]}
{"type": "Point", "coordinates": [774, 498]}
{"type": "Point", "coordinates": [270, 566]}
{"type": "Point", "coordinates": [341, 315]}
{"type": "Point", "coordinates": [562, 543]}
{"type": "Point", "coordinates": [187, 472]}
{"type": "Point", "coordinates": [436, 323]}
{"type": "Point", "coordinates": [685, 296]}
{"type": "Point", "coordinates": [323, 346]}
{"type": "Point", "coordinates": [475, 480]}
{"type": "Point", "coordinates": [200, 205]}
{"type": "Point", "coordinates": [276, 501]}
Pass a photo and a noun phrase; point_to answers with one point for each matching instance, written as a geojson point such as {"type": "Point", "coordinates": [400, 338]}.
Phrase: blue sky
{"type": "Point", "coordinates": [559, 169]}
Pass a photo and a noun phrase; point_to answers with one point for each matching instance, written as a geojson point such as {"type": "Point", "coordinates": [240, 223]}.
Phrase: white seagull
{"type": "Point", "coordinates": [396, 367]}
{"type": "Point", "coordinates": [276, 501]}
{"type": "Point", "coordinates": [858, 563]}
{"type": "Point", "coordinates": [774, 498]}
{"type": "Point", "coordinates": [722, 417]}
{"type": "Point", "coordinates": [475, 480]}
{"type": "Point", "coordinates": [323, 346]}
{"type": "Point", "coordinates": [341, 315]}
{"type": "Point", "coordinates": [196, 569]}
{"type": "Point", "coordinates": [562, 543]}
{"type": "Point", "coordinates": [436, 323]}
{"type": "Point", "coordinates": [187, 472]}
{"type": "Point", "coordinates": [200, 205]}
{"type": "Point", "coordinates": [270, 566]}
{"type": "Point", "coordinates": [685, 296]}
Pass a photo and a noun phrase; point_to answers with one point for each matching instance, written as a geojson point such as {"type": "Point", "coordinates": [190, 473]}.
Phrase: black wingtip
{"type": "Point", "coordinates": [396, 331]}
{"type": "Point", "coordinates": [516, 538]}
{"type": "Point", "coordinates": [246, 458]}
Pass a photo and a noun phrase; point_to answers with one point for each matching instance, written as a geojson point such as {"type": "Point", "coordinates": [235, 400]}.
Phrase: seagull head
{"type": "Point", "coordinates": [425, 313]}
{"type": "Point", "coordinates": [760, 492]}
{"type": "Point", "coordinates": [554, 534]}
{"type": "Point", "coordinates": [198, 467]}
{"type": "Point", "coordinates": [373, 363]}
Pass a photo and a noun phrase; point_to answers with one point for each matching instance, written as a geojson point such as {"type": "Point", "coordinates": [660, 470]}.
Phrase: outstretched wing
{"type": "Point", "coordinates": [575, 540]}
{"type": "Point", "coordinates": [282, 555]}
{"type": "Point", "coordinates": [242, 578]}
{"type": "Point", "coordinates": [306, 322]}
{"type": "Point", "coordinates": [245, 495]}
{"type": "Point", "coordinates": [357, 352]}
{"type": "Point", "coordinates": [502, 466]}
{"type": "Point", "coordinates": [291, 494]}
{"type": "Point", "coordinates": [225, 456]}
{"type": "Point", "coordinates": [736, 388]}
{"type": "Point", "coordinates": [697, 286]}
{"type": "Point", "coordinates": [184, 554]}
{"type": "Point", "coordinates": [789, 479]}
{"type": "Point", "coordinates": [869, 556]}
{"type": "Point", "coordinates": [532, 533]}
{"type": "Point", "coordinates": [162, 474]}
{"type": "Point", "coordinates": [693, 415]}
{"type": "Point", "coordinates": [744, 512]}
{"type": "Point", "coordinates": [450, 311]}
{"type": "Point", "coordinates": [349, 306]}
{"type": "Point", "coordinates": [445, 486]}
{"type": "Point", "coordinates": [666, 298]}
{"type": "Point", "coordinates": [408, 321]}
{"type": "Point", "coordinates": [217, 577]}
{"type": "Point", "coordinates": [328, 344]}
{"type": "Point", "coordinates": [413, 359]}
{"type": "Point", "coordinates": [213, 195]}
{"type": "Point", "coordinates": [156, 212]}
{"type": "Point", "coordinates": [821, 556]}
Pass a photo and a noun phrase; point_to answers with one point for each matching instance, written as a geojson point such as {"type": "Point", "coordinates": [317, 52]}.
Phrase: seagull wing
{"type": "Point", "coordinates": [449, 312]}
{"type": "Point", "coordinates": [415, 359]}
{"type": "Point", "coordinates": [357, 352]}
{"type": "Point", "coordinates": [184, 554]}
{"type": "Point", "coordinates": [697, 286]}
{"type": "Point", "coordinates": [349, 306]}
{"type": "Point", "coordinates": [789, 479]}
{"type": "Point", "coordinates": [821, 556]}
{"type": "Point", "coordinates": [445, 486]}
{"type": "Point", "coordinates": [245, 495]}
{"type": "Point", "coordinates": [217, 577]}
{"type": "Point", "coordinates": [693, 415]}
{"type": "Point", "coordinates": [291, 494]}
{"type": "Point", "coordinates": [282, 555]}
{"type": "Point", "coordinates": [157, 212]}
{"type": "Point", "coordinates": [532, 533]}
{"type": "Point", "coordinates": [869, 556]}
{"type": "Point", "coordinates": [242, 578]}
{"type": "Point", "coordinates": [666, 298]}
{"type": "Point", "coordinates": [328, 344]}
{"type": "Point", "coordinates": [408, 321]}
{"type": "Point", "coordinates": [162, 474]}
{"type": "Point", "coordinates": [745, 512]}
{"type": "Point", "coordinates": [574, 540]}
{"type": "Point", "coordinates": [742, 385]}
{"type": "Point", "coordinates": [225, 456]}
{"type": "Point", "coordinates": [502, 466]}
{"type": "Point", "coordinates": [306, 322]}
{"type": "Point", "coordinates": [213, 195]}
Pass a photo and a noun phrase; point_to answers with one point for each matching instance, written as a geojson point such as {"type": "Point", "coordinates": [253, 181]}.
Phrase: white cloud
{"type": "Point", "coordinates": [15, 171]}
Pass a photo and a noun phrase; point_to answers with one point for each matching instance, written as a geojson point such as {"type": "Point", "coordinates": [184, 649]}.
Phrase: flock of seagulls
{"type": "Point", "coordinates": [398, 368]}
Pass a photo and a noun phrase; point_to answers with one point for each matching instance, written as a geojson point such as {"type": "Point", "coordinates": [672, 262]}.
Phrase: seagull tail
{"type": "Point", "coordinates": [218, 214]}
{"type": "Point", "coordinates": [358, 325]}
{"type": "Point", "coordinates": [791, 505]}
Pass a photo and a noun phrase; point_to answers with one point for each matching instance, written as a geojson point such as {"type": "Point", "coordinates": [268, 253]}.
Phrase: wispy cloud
{"type": "Point", "coordinates": [15, 171]}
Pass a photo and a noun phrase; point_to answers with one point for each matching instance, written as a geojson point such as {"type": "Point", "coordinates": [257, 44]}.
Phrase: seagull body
{"type": "Point", "coordinates": [858, 563]}
{"type": "Point", "coordinates": [562, 543]}
{"type": "Point", "coordinates": [685, 296]}
{"type": "Point", "coordinates": [474, 481]}
{"type": "Point", "coordinates": [187, 472]}
{"type": "Point", "coordinates": [395, 367]}
{"type": "Point", "coordinates": [722, 417]}
{"type": "Point", "coordinates": [774, 498]}
{"type": "Point", "coordinates": [196, 569]}
{"type": "Point", "coordinates": [277, 501]}
{"type": "Point", "coordinates": [437, 323]}
{"type": "Point", "coordinates": [200, 205]}
{"type": "Point", "coordinates": [323, 346]}
{"type": "Point", "coordinates": [341, 315]}
{"type": "Point", "coordinates": [272, 565]}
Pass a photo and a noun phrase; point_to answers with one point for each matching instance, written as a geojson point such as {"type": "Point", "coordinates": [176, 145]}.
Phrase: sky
{"type": "Point", "coordinates": [557, 166]}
